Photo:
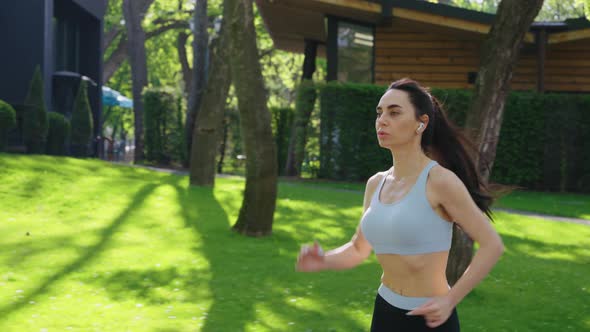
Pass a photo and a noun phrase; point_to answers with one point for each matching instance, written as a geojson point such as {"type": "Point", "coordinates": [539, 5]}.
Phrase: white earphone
{"type": "Point", "coordinates": [420, 127]}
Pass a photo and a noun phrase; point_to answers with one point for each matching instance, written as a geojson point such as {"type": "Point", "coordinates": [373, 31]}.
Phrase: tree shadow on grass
{"type": "Point", "coordinates": [533, 289]}
{"type": "Point", "coordinates": [91, 253]}
{"type": "Point", "coordinates": [33, 245]}
{"type": "Point", "coordinates": [246, 291]}
{"type": "Point", "coordinates": [144, 284]}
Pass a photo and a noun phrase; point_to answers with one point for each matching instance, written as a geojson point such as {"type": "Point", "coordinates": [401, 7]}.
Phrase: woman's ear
{"type": "Point", "coordinates": [424, 119]}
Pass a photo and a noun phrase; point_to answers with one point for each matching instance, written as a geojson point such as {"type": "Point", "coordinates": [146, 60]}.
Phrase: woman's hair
{"type": "Point", "coordinates": [444, 142]}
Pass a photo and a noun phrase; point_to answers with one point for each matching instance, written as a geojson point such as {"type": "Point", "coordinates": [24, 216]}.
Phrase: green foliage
{"type": "Point", "coordinates": [82, 123]}
{"type": "Point", "coordinates": [552, 10]}
{"type": "Point", "coordinates": [163, 128]}
{"type": "Point", "coordinates": [58, 135]}
{"type": "Point", "coordinates": [544, 141]}
{"type": "Point", "coordinates": [348, 144]}
{"type": "Point", "coordinates": [35, 116]}
{"type": "Point", "coordinates": [7, 121]}
{"type": "Point", "coordinates": [116, 117]}
{"type": "Point", "coordinates": [456, 102]}
{"type": "Point", "coordinates": [282, 120]}
{"type": "Point", "coordinates": [519, 154]}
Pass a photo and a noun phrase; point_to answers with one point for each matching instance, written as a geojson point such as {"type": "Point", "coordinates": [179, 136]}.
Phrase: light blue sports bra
{"type": "Point", "coordinates": [408, 226]}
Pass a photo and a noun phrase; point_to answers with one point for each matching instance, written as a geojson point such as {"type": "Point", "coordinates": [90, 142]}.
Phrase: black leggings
{"type": "Point", "coordinates": [387, 318]}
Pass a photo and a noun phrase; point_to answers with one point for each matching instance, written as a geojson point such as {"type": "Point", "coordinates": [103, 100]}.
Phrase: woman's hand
{"type": "Point", "coordinates": [311, 259]}
{"type": "Point", "coordinates": [436, 311]}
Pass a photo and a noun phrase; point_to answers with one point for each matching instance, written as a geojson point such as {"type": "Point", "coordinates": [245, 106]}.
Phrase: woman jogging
{"type": "Point", "coordinates": [408, 217]}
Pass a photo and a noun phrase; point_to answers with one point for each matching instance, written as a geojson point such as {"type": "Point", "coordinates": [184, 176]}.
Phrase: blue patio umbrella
{"type": "Point", "coordinates": [111, 97]}
{"type": "Point", "coordinates": [125, 102]}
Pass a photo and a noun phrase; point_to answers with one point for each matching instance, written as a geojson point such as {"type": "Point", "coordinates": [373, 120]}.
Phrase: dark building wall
{"type": "Point", "coordinates": [27, 36]}
{"type": "Point", "coordinates": [86, 17]}
{"type": "Point", "coordinates": [94, 7]}
{"type": "Point", "coordinates": [22, 47]}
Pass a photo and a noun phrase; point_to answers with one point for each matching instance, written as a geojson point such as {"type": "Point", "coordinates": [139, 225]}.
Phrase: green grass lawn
{"type": "Point", "coordinates": [88, 246]}
{"type": "Point", "coordinates": [557, 204]}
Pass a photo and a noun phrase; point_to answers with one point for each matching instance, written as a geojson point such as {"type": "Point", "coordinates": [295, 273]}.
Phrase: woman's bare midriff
{"type": "Point", "coordinates": [415, 275]}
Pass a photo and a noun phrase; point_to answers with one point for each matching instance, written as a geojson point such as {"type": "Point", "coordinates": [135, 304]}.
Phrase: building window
{"type": "Point", "coordinates": [355, 53]}
{"type": "Point", "coordinates": [66, 36]}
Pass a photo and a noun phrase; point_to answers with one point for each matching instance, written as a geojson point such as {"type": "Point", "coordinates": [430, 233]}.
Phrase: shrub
{"type": "Point", "coordinates": [7, 122]}
{"type": "Point", "coordinates": [58, 135]}
{"type": "Point", "coordinates": [81, 123]}
{"type": "Point", "coordinates": [35, 116]}
{"type": "Point", "coordinates": [163, 126]}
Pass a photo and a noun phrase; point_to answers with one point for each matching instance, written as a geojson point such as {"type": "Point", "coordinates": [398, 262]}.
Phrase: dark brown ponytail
{"type": "Point", "coordinates": [445, 143]}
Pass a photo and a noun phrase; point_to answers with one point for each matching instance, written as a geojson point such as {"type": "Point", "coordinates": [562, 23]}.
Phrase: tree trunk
{"type": "Point", "coordinates": [115, 60]}
{"type": "Point", "coordinates": [183, 59]}
{"type": "Point", "coordinates": [110, 36]}
{"type": "Point", "coordinates": [199, 80]}
{"type": "Point", "coordinates": [134, 12]}
{"type": "Point", "coordinates": [223, 146]}
{"type": "Point", "coordinates": [303, 110]}
{"type": "Point", "coordinates": [499, 54]}
{"type": "Point", "coordinates": [256, 213]}
{"type": "Point", "coordinates": [209, 125]}
{"type": "Point", "coordinates": [306, 96]}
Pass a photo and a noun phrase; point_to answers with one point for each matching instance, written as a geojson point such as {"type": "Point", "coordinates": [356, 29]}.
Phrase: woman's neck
{"type": "Point", "coordinates": [408, 163]}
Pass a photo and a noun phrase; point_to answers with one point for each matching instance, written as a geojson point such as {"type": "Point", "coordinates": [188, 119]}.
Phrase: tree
{"type": "Point", "coordinates": [258, 205]}
{"type": "Point", "coordinates": [134, 11]}
{"type": "Point", "coordinates": [306, 96]}
{"type": "Point", "coordinates": [198, 80]}
{"type": "Point", "coordinates": [115, 42]}
{"type": "Point", "coordinates": [208, 129]}
{"type": "Point", "coordinates": [499, 54]}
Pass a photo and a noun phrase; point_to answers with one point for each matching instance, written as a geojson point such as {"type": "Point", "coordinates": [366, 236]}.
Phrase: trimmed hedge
{"type": "Point", "coordinates": [163, 126]}
{"type": "Point", "coordinates": [7, 122]}
{"type": "Point", "coordinates": [544, 142]}
{"type": "Point", "coordinates": [348, 145]}
{"type": "Point", "coordinates": [58, 135]}
{"type": "Point", "coordinates": [81, 123]}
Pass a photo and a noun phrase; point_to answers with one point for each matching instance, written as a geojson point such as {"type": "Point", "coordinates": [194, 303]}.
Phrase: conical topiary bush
{"type": "Point", "coordinates": [81, 123]}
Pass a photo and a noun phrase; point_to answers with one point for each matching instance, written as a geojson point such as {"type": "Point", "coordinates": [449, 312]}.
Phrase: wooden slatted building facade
{"type": "Point", "coordinates": [436, 44]}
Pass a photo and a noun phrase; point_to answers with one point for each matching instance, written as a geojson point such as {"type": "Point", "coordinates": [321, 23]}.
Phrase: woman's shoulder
{"type": "Point", "coordinates": [442, 178]}
{"type": "Point", "coordinates": [374, 180]}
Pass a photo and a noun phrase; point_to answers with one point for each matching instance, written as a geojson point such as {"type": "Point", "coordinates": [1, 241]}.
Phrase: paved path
{"type": "Point", "coordinates": [523, 213]}
{"type": "Point", "coordinates": [546, 216]}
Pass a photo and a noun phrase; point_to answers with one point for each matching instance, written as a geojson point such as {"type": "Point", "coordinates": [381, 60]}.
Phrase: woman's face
{"type": "Point", "coordinates": [395, 121]}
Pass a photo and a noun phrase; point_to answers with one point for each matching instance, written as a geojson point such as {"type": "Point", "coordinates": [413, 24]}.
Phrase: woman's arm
{"type": "Point", "coordinates": [346, 256]}
{"type": "Point", "coordinates": [457, 202]}
{"type": "Point", "coordinates": [462, 209]}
